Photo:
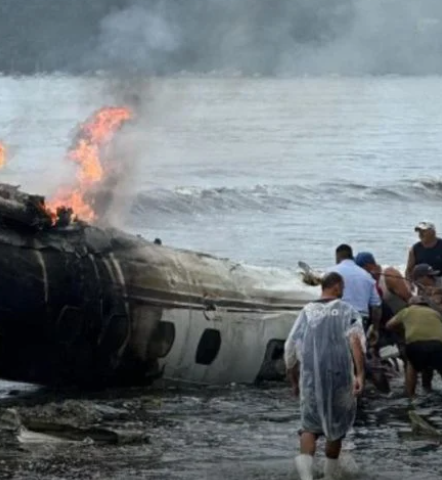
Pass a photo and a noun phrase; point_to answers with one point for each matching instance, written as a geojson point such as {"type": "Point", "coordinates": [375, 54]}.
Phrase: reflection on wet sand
{"type": "Point", "coordinates": [235, 433]}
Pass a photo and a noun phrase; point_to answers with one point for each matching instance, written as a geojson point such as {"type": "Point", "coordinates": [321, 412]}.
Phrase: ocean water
{"type": "Point", "coordinates": [267, 171]}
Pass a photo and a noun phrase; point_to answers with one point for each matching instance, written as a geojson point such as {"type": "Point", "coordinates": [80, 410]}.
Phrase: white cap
{"type": "Point", "coordinates": [424, 226]}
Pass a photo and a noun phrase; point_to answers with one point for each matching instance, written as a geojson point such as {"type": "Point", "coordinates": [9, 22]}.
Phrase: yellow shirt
{"type": "Point", "coordinates": [421, 323]}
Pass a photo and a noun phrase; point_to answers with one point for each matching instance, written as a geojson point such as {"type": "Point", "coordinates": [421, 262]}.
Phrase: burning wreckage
{"type": "Point", "coordinates": [87, 305]}
{"type": "Point", "coordinates": [93, 306]}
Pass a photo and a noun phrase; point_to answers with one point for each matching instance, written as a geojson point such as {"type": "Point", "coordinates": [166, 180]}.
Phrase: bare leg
{"type": "Point", "coordinates": [333, 449]}
{"type": "Point", "coordinates": [403, 356]}
{"type": "Point", "coordinates": [331, 466]}
{"type": "Point", "coordinates": [304, 461]}
{"type": "Point", "coordinates": [308, 443]}
{"type": "Point", "coordinates": [410, 380]}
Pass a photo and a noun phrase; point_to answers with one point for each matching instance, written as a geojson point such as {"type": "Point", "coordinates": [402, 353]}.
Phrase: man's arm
{"type": "Point", "coordinates": [358, 353]}
{"type": "Point", "coordinates": [358, 359]}
{"type": "Point", "coordinates": [357, 343]}
{"type": "Point", "coordinates": [396, 284]}
{"type": "Point", "coordinates": [376, 317]}
{"type": "Point", "coordinates": [292, 352]}
{"type": "Point", "coordinates": [293, 376]}
{"type": "Point", "coordinates": [411, 262]}
{"type": "Point", "coordinates": [395, 322]}
{"type": "Point", "coordinates": [292, 363]}
{"type": "Point", "coordinates": [375, 304]}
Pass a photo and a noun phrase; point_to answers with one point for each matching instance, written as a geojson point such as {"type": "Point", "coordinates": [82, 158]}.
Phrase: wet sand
{"type": "Point", "coordinates": [235, 433]}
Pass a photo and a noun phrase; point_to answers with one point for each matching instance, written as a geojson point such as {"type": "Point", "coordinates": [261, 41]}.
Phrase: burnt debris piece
{"type": "Point", "coordinates": [66, 308]}
{"type": "Point", "coordinates": [73, 421]}
{"type": "Point", "coordinates": [64, 217]}
{"type": "Point", "coordinates": [21, 209]}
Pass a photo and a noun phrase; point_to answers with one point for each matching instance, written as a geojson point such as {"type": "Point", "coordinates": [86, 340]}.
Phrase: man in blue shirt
{"type": "Point", "coordinates": [359, 288]}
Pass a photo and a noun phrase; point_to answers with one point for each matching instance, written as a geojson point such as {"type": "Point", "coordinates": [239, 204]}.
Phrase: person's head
{"type": "Point", "coordinates": [367, 261]}
{"type": "Point", "coordinates": [424, 275]}
{"type": "Point", "coordinates": [332, 285]}
{"type": "Point", "coordinates": [343, 252]}
{"type": "Point", "coordinates": [426, 231]}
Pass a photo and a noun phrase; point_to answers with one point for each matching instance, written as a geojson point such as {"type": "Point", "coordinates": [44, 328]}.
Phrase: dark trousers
{"type": "Point", "coordinates": [366, 322]}
{"type": "Point", "coordinates": [425, 356]}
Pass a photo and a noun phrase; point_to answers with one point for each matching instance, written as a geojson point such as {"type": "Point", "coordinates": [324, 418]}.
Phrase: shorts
{"type": "Point", "coordinates": [425, 355]}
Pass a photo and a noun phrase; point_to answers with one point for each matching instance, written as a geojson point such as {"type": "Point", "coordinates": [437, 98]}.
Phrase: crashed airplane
{"type": "Point", "coordinates": [84, 305]}
{"type": "Point", "coordinates": [93, 306]}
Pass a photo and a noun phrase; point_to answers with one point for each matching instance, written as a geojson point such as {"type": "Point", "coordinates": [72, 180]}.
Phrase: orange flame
{"type": "Point", "coordinates": [2, 155]}
{"type": "Point", "coordinates": [87, 151]}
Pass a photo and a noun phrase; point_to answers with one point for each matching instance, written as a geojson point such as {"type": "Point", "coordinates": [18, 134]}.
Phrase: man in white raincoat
{"type": "Point", "coordinates": [324, 356]}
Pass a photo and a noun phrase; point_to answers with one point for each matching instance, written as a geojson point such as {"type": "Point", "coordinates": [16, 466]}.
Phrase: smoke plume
{"type": "Point", "coordinates": [262, 37]}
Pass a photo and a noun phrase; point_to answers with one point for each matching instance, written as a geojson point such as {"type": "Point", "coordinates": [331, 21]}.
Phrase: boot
{"type": "Point", "coordinates": [304, 465]}
{"type": "Point", "coordinates": [331, 468]}
{"type": "Point", "coordinates": [347, 465]}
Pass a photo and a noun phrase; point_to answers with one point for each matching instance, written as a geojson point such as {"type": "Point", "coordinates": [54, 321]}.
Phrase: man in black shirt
{"type": "Point", "coordinates": [427, 251]}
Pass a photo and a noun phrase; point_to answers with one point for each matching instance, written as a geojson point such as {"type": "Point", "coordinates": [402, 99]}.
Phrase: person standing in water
{"type": "Point", "coordinates": [427, 251]}
{"type": "Point", "coordinates": [425, 279]}
{"type": "Point", "coordinates": [324, 358]}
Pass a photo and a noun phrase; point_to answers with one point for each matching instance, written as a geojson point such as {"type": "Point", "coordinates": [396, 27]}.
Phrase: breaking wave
{"type": "Point", "coordinates": [266, 198]}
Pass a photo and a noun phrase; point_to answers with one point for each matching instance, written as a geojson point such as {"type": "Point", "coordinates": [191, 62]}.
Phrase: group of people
{"type": "Point", "coordinates": [361, 307]}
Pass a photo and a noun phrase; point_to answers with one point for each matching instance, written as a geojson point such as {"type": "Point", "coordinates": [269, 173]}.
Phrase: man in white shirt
{"type": "Point", "coordinates": [359, 289]}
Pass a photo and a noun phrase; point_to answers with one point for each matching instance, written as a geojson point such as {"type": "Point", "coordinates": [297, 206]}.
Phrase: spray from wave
{"type": "Point", "coordinates": [270, 198]}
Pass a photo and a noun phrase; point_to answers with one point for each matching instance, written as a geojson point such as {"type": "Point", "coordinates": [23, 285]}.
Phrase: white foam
{"type": "Point", "coordinates": [348, 466]}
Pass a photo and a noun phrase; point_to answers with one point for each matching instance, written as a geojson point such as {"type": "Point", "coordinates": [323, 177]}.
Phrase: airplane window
{"type": "Point", "coordinates": [277, 349]}
{"type": "Point", "coordinates": [272, 367]}
{"type": "Point", "coordinates": [164, 337]}
{"type": "Point", "coordinates": [208, 346]}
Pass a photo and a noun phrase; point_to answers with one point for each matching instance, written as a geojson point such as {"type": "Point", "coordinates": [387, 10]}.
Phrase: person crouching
{"type": "Point", "coordinates": [423, 340]}
{"type": "Point", "coordinates": [322, 352]}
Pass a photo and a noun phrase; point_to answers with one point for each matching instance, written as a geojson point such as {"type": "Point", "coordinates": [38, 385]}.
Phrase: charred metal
{"type": "Point", "coordinates": [86, 305]}
{"type": "Point", "coordinates": [66, 309]}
